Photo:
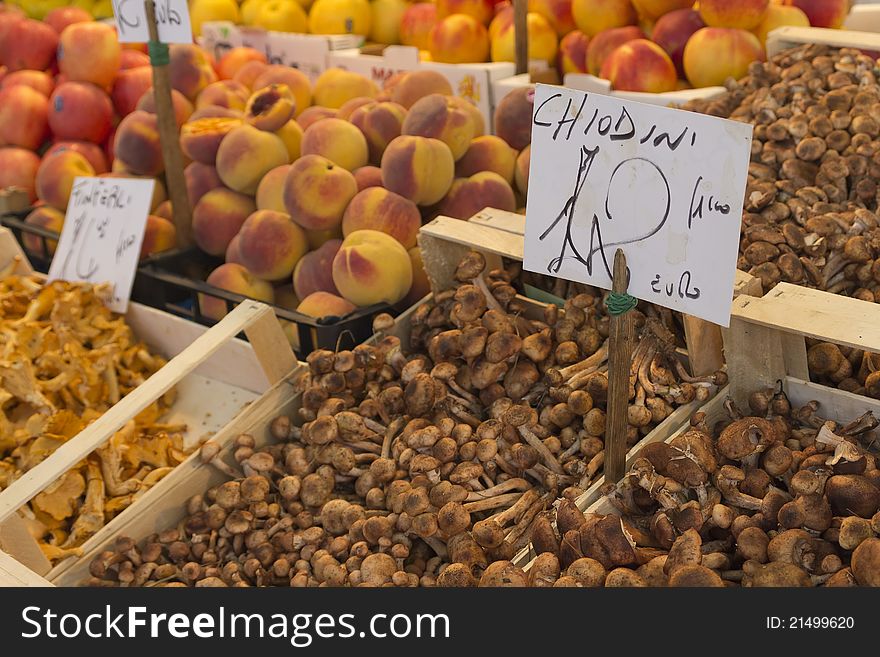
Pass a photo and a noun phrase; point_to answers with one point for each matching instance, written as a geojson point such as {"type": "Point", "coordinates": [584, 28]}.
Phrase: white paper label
{"type": "Point", "coordinates": [664, 185]}
{"type": "Point", "coordinates": [172, 21]}
{"type": "Point", "coordinates": [102, 234]}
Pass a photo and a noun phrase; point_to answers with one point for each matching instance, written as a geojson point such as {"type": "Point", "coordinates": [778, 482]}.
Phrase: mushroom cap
{"type": "Point", "coordinates": [504, 574]}
{"type": "Point", "coordinates": [866, 562]}
{"type": "Point", "coordinates": [471, 266]}
{"type": "Point", "coordinates": [744, 437]}
{"type": "Point", "coordinates": [695, 575]}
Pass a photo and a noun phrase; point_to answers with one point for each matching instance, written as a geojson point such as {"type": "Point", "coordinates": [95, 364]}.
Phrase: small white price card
{"type": "Point", "coordinates": [665, 185]}
{"type": "Point", "coordinates": [102, 235]}
{"type": "Point", "coordinates": [172, 21]}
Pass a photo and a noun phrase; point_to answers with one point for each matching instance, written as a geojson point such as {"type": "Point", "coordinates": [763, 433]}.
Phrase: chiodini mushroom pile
{"type": "Point", "coordinates": [811, 204]}
{"type": "Point", "coordinates": [781, 498]}
{"type": "Point", "coordinates": [64, 360]}
{"type": "Point", "coordinates": [412, 458]}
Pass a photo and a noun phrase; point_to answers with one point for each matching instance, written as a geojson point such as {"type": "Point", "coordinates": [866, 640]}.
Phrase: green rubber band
{"type": "Point", "coordinates": [620, 303]}
{"type": "Point", "coordinates": [159, 55]}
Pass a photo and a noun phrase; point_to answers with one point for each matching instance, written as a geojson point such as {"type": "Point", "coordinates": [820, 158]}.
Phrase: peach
{"type": "Point", "coordinates": [557, 13]}
{"type": "Point", "coordinates": [822, 13]}
{"type": "Point", "coordinates": [340, 17]}
{"type": "Point", "coordinates": [246, 154]}
{"type": "Point", "coordinates": [270, 244]}
{"type": "Point", "coordinates": [200, 139]}
{"type": "Point", "coordinates": [314, 114]}
{"type": "Point", "coordinates": [640, 65]}
{"type": "Point", "coordinates": [137, 144]}
{"type": "Point", "coordinates": [18, 168]}
{"type": "Point", "coordinates": [23, 117]}
{"type": "Point", "coordinates": [296, 81]}
{"type": "Point", "coordinates": [232, 252]}
{"type": "Point", "coordinates": [542, 40]}
{"type": "Point", "coordinates": [37, 80]}
{"type": "Point", "coordinates": [164, 211]}
{"type": "Point", "coordinates": [379, 123]}
{"type": "Point", "coordinates": [317, 191]}
{"type": "Point", "coordinates": [200, 179]}
{"type": "Point", "coordinates": [673, 31]}
{"type": "Point", "coordinates": [336, 86]}
{"type": "Point", "coordinates": [183, 108]}
{"type": "Point", "coordinates": [337, 140]}
{"type": "Point", "coordinates": [159, 235]}
{"type": "Point", "coordinates": [594, 16]}
{"type": "Point", "coordinates": [217, 218]}
{"type": "Point", "coordinates": [189, 69]}
{"type": "Point", "coordinates": [89, 52]}
{"type": "Point", "coordinates": [714, 54]}
{"type": "Point", "coordinates": [385, 20]}
{"type": "Point", "coordinates": [653, 9]}
{"type": "Point", "coordinates": [604, 44]}
{"type": "Point", "coordinates": [248, 73]}
{"type": "Point", "coordinates": [81, 111]}
{"type": "Point", "coordinates": [436, 117]}
{"type": "Point", "coordinates": [233, 278]}
{"type": "Point", "coordinates": [45, 217]}
{"type": "Point", "coordinates": [739, 14]}
{"type": "Point", "coordinates": [488, 153]}
{"type": "Point", "coordinates": [482, 10]}
{"type": "Point", "coordinates": [376, 208]}
{"type": "Point", "coordinates": [780, 16]}
{"type": "Point", "coordinates": [372, 267]}
{"type": "Point", "coordinates": [291, 134]}
{"type": "Point", "coordinates": [572, 57]}
{"type": "Point", "coordinates": [270, 192]}
{"type": "Point", "coordinates": [416, 24]}
{"type": "Point", "coordinates": [29, 44]}
{"type": "Point", "coordinates": [468, 196]}
{"type": "Point", "coordinates": [132, 59]}
{"type": "Point", "coordinates": [513, 117]}
{"type": "Point", "coordinates": [233, 60]}
{"type": "Point", "coordinates": [350, 106]}
{"type": "Point", "coordinates": [414, 86]}
{"type": "Point", "coordinates": [214, 112]}
{"type": "Point", "coordinates": [521, 174]}
{"type": "Point", "coordinates": [459, 39]}
{"type": "Point", "coordinates": [368, 176]}
{"type": "Point", "coordinates": [324, 304]}
{"type": "Point", "coordinates": [286, 298]}
{"type": "Point", "coordinates": [314, 271]}
{"type": "Point", "coordinates": [281, 16]}
{"type": "Point", "coordinates": [60, 17]}
{"type": "Point", "coordinates": [421, 285]}
{"type": "Point", "coordinates": [318, 238]}
{"type": "Point", "coordinates": [224, 93]}
{"type": "Point", "coordinates": [92, 152]}
{"type": "Point", "coordinates": [128, 88]}
{"type": "Point", "coordinates": [270, 107]}
{"type": "Point", "coordinates": [160, 194]}
{"type": "Point", "coordinates": [418, 168]}
{"type": "Point", "coordinates": [476, 116]}
{"type": "Point", "coordinates": [55, 175]}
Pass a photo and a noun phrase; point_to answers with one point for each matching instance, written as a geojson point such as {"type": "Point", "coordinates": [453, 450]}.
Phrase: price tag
{"type": "Point", "coordinates": [664, 185]}
{"type": "Point", "coordinates": [172, 20]}
{"type": "Point", "coordinates": [102, 234]}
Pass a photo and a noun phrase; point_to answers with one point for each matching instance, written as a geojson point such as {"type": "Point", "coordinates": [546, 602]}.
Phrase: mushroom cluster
{"type": "Point", "coordinates": [779, 498]}
{"type": "Point", "coordinates": [64, 360]}
{"type": "Point", "coordinates": [431, 459]}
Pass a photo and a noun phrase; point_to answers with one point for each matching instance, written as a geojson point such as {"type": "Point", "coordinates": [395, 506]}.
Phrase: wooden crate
{"type": "Point", "coordinates": [765, 344]}
{"type": "Point", "coordinates": [12, 573]}
{"type": "Point", "coordinates": [789, 37]}
{"type": "Point", "coordinates": [499, 234]}
{"type": "Point", "coordinates": [215, 375]}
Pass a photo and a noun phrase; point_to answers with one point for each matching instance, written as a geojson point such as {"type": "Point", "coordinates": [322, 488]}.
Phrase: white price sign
{"type": "Point", "coordinates": [172, 21]}
{"type": "Point", "coordinates": [102, 234]}
{"type": "Point", "coordinates": [664, 185]}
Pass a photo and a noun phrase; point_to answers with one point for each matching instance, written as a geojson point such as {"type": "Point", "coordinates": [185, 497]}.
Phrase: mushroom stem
{"type": "Point", "coordinates": [511, 485]}
{"type": "Point", "coordinates": [492, 502]}
{"type": "Point", "coordinates": [545, 454]}
{"type": "Point", "coordinates": [593, 361]}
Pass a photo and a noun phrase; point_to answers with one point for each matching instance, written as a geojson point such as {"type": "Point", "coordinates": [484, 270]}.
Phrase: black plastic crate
{"type": "Point", "coordinates": [40, 259]}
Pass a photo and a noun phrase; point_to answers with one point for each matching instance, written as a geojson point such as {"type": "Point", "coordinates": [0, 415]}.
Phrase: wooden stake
{"type": "Point", "coordinates": [621, 343]}
{"type": "Point", "coordinates": [169, 138]}
{"type": "Point", "coordinates": [521, 35]}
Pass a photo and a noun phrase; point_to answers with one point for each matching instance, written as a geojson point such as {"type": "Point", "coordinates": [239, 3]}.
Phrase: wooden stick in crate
{"type": "Point", "coordinates": [273, 352]}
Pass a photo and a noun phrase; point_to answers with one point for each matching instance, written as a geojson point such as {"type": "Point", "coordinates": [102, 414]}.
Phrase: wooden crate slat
{"type": "Point", "coordinates": [12, 573]}
{"type": "Point", "coordinates": [510, 222]}
{"type": "Point", "coordinates": [788, 37]}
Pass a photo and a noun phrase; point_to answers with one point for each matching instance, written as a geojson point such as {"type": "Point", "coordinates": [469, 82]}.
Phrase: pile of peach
{"type": "Point", "coordinates": [64, 83]}
{"type": "Point", "coordinates": [639, 45]}
{"type": "Point", "coordinates": [314, 195]}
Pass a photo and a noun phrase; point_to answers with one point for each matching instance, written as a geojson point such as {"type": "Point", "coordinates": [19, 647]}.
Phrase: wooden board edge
{"type": "Point", "coordinates": [12, 573]}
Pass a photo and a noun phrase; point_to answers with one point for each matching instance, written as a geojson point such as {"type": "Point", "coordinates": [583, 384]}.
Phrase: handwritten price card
{"type": "Point", "coordinates": [664, 185]}
{"type": "Point", "coordinates": [102, 234]}
{"type": "Point", "coordinates": [172, 21]}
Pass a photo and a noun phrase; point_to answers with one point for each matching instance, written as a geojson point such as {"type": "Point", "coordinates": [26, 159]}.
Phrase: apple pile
{"type": "Point", "coordinates": [313, 195]}
{"type": "Point", "coordinates": [64, 84]}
